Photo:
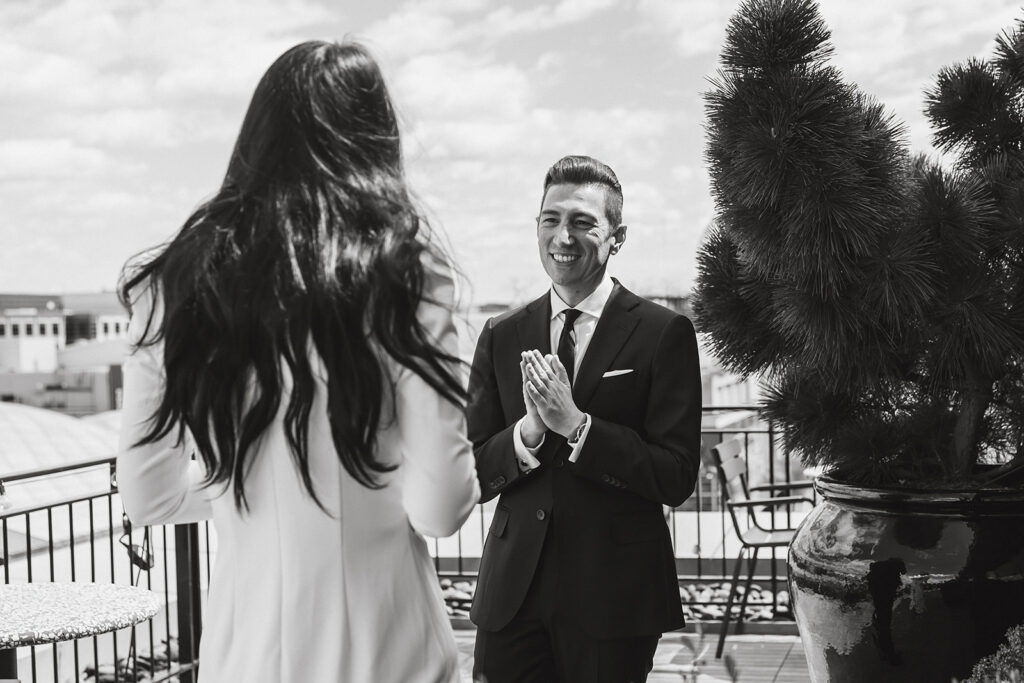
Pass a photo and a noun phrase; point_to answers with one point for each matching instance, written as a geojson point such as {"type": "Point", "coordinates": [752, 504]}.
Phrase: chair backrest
{"type": "Point", "coordinates": [731, 464]}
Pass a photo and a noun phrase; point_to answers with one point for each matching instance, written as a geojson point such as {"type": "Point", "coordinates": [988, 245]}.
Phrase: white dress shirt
{"type": "Point", "coordinates": [582, 332]}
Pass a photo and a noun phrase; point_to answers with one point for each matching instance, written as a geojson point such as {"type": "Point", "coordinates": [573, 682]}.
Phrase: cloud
{"type": "Point", "coordinates": [698, 26]}
{"type": "Point", "coordinates": [102, 52]}
{"type": "Point", "coordinates": [869, 40]}
{"type": "Point", "coordinates": [119, 126]}
{"type": "Point", "coordinates": [119, 115]}
{"type": "Point", "coordinates": [418, 27]}
{"type": "Point", "coordinates": [447, 84]}
{"type": "Point", "coordinates": [49, 159]}
{"type": "Point", "coordinates": [99, 93]}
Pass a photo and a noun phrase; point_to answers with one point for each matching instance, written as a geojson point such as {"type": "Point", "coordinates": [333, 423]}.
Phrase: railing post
{"type": "Point", "coordinates": [190, 618]}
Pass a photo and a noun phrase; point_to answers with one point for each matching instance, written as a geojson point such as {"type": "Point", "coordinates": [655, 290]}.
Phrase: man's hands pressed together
{"type": "Point", "coordinates": [548, 397]}
{"type": "Point", "coordinates": [533, 426]}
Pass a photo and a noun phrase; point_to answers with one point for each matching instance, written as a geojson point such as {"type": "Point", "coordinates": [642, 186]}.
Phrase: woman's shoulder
{"type": "Point", "coordinates": [145, 309]}
{"type": "Point", "coordinates": [439, 282]}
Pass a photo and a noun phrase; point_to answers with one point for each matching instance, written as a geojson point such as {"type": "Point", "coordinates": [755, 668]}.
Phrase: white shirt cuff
{"type": "Point", "coordinates": [583, 437]}
{"type": "Point", "coordinates": [526, 456]}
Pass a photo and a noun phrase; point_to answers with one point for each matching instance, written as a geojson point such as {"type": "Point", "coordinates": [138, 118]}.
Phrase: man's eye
{"type": "Point", "coordinates": [549, 222]}
{"type": "Point", "coordinates": [586, 225]}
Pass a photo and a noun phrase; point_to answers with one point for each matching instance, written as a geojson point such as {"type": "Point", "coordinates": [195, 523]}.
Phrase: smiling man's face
{"type": "Point", "coordinates": [576, 239]}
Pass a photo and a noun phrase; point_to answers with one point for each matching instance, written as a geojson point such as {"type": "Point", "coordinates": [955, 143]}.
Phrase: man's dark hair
{"type": "Point", "coordinates": [583, 170]}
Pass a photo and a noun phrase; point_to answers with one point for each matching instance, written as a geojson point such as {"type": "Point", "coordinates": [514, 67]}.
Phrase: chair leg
{"type": "Point", "coordinates": [728, 604]}
{"type": "Point", "coordinates": [746, 587]}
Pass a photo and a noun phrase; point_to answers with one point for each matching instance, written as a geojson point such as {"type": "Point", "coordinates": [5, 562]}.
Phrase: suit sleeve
{"type": "Point", "coordinates": [439, 484]}
{"type": "Point", "coordinates": [159, 482]}
{"type": "Point", "coordinates": [493, 442]}
{"type": "Point", "coordinates": [661, 465]}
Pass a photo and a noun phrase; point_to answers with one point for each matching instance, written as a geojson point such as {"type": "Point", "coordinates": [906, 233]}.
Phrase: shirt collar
{"type": "Point", "coordinates": [593, 305]}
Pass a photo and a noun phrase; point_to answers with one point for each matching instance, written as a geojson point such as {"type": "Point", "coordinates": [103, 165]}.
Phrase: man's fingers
{"type": "Point", "coordinates": [533, 360]}
{"type": "Point", "coordinates": [540, 366]}
{"type": "Point", "coordinates": [531, 391]}
{"type": "Point", "coordinates": [560, 372]}
{"type": "Point", "coordinates": [539, 381]}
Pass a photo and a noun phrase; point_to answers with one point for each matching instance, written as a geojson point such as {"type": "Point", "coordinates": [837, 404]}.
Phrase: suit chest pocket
{"type": "Point", "coordinates": [621, 398]}
{"type": "Point", "coordinates": [500, 521]}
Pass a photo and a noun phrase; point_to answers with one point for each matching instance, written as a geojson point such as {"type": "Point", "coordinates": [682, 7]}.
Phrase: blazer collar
{"type": "Point", "coordinates": [616, 324]}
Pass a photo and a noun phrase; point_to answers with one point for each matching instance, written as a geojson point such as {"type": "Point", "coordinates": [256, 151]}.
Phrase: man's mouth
{"type": "Point", "coordinates": [565, 258]}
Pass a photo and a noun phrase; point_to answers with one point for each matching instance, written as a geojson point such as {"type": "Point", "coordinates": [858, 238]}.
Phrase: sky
{"type": "Point", "coordinates": [117, 116]}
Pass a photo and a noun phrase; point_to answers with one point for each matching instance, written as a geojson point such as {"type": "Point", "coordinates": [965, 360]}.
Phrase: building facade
{"type": "Point", "coordinates": [62, 352]}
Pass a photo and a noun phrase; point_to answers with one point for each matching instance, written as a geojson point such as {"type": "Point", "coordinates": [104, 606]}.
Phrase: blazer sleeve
{"type": "Point", "coordinates": [662, 465]}
{"type": "Point", "coordinates": [493, 440]}
{"type": "Point", "coordinates": [439, 483]}
{"type": "Point", "coordinates": [159, 482]}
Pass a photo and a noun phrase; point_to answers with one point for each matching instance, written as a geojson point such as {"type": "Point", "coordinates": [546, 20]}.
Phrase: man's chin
{"type": "Point", "coordinates": [563, 273]}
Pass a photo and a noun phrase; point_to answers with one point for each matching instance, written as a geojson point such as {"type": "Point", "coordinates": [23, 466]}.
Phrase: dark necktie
{"type": "Point", "coordinates": [567, 344]}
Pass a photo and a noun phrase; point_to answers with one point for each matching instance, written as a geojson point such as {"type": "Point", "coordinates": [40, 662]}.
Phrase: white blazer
{"type": "Point", "coordinates": [298, 595]}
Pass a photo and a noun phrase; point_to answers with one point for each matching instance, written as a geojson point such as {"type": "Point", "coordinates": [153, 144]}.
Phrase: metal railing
{"type": "Point", "coordinates": [703, 538]}
{"type": "Point", "coordinates": [77, 531]}
{"type": "Point", "coordinates": [72, 528]}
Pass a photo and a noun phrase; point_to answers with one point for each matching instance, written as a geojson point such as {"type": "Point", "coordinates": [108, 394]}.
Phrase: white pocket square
{"type": "Point", "coordinates": [616, 373]}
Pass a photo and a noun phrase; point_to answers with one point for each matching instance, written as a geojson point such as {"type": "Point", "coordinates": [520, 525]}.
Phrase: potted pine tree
{"type": "Point", "coordinates": [880, 297]}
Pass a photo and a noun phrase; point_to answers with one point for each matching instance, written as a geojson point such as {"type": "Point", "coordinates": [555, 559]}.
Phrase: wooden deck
{"type": "Point", "coordinates": [759, 659]}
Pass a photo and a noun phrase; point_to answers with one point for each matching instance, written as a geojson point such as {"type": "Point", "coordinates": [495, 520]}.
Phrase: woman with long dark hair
{"type": "Point", "coordinates": [297, 336]}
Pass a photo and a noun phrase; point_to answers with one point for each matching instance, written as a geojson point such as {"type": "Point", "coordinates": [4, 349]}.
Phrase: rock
{"type": "Point", "coordinates": [714, 612]}
{"type": "Point", "coordinates": [453, 594]}
{"type": "Point", "coordinates": [446, 583]}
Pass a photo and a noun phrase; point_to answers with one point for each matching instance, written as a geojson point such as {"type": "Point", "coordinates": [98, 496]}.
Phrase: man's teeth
{"type": "Point", "coordinates": [564, 258]}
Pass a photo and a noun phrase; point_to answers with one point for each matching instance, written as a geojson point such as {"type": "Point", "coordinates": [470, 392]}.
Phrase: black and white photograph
{"type": "Point", "coordinates": [547, 341]}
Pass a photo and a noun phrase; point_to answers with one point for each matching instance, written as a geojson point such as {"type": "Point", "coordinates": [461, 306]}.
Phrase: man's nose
{"type": "Point", "coordinates": [562, 235]}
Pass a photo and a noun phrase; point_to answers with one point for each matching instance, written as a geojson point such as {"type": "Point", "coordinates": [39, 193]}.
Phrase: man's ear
{"type": "Point", "coordinates": [620, 238]}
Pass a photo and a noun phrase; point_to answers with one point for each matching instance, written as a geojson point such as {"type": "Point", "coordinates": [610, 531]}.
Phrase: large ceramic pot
{"type": "Point", "coordinates": [906, 586]}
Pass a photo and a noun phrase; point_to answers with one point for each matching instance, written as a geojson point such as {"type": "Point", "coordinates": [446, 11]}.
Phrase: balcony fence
{"type": "Point", "coordinates": [67, 524]}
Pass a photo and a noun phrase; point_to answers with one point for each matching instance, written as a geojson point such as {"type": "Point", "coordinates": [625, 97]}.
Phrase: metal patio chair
{"type": "Point", "coordinates": [731, 464]}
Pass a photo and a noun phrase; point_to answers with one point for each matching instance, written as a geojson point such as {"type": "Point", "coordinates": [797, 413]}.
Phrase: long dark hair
{"type": "Point", "coordinates": [312, 239]}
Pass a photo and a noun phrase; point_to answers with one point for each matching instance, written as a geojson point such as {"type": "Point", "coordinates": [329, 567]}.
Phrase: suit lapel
{"type": "Point", "coordinates": [612, 331]}
{"type": "Point", "coordinates": [534, 327]}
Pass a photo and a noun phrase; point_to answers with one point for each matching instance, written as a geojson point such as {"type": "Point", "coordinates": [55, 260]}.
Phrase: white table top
{"type": "Point", "coordinates": [38, 613]}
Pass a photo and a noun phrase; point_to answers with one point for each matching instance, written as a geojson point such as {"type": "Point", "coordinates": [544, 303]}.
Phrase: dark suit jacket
{"type": "Point", "coordinates": [616, 568]}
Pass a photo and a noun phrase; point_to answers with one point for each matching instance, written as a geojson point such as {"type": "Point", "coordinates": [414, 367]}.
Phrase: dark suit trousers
{"type": "Point", "coordinates": [540, 645]}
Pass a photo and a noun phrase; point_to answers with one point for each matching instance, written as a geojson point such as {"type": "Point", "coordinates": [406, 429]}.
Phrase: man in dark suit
{"type": "Point", "coordinates": [585, 414]}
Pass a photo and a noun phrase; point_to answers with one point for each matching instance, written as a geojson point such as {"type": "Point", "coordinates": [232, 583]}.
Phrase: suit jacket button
{"type": "Point", "coordinates": [541, 515]}
{"type": "Point", "coordinates": [560, 462]}
{"type": "Point", "coordinates": [606, 479]}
